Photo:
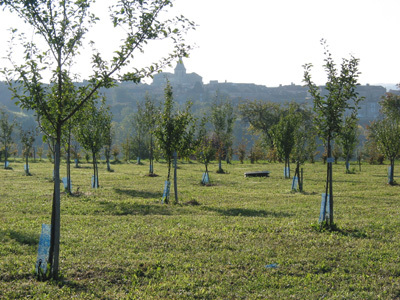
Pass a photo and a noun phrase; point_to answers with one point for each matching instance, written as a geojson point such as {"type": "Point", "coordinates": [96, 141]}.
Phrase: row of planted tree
{"type": "Point", "coordinates": [42, 80]}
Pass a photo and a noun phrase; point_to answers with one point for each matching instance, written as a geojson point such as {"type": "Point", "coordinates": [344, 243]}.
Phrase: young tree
{"type": "Point", "coordinates": [40, 152]}
{"type": "Point", "coordinates": [283, 135]}
{"type": "Point", "coordinates": [27, 139]}
{"type": "Point", "coordinates": [386, 133]}
{"type": "Point", "coordinates": [304, 142]}
{"type": "Point", "coordinates": [205, 151]}
{"type": "Point", "coordinates": [126, 149]}
{"type": "Point", "coordinates": [348, 140]}
{"type": "Point", "coordinates": [115, 152]}
{"type": "Point", "coordinates": [151, 113]}
{"type": "Point", "coordinates": [331, 106]}
{"type": "Point", "coordinates": [60, 28]}
{"type": "Point", "coordinates": [108, 141]}
{"type": "Point", "coordinates": [174, 134]}
{"type": "Point", "coordinates": [92, 133]}
{"type": "Point", "coordinates": [6, 131]}
{"type": "Point", "coordinates": [222, 119]}
{"type": "Point", "coordinates": [241, 151]}
{"type": "Point", "coordinates": [139, 130]}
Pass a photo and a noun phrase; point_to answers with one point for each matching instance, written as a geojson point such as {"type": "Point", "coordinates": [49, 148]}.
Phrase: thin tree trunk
{"type": "Point", "coordinates": [151, 156]}
{"type": "Point", "coordinates": [5, 157]}
{"type": "Point", "coordinates": [94, 170]}
{"type": "Point", "coordinates": [97, 174]}
{"type": "Point", "coordinates": [69, 162]}
{"type": "Point", "coordinates": [301, 180]}
{"type": "Point", "coordinates": [208, 177]}
{"type": "Point", "coordinates": [175, 178]}
{"type": "Point", "coordinates": [329, 182]}
{"type": "Point", "coordinates": [391, 180]}
{"type": "Point", "coordinates": [166, 200]}
{"type": "Point", "coordinates": [55, 216]}
{"type": "Point", "coordinates": [27, 165]}
{"type": "Point", "coordinates": [108, 165]}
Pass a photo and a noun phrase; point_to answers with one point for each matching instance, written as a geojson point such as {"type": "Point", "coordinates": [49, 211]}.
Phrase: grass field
{"type": "Point", "coordinates": [120, 242]}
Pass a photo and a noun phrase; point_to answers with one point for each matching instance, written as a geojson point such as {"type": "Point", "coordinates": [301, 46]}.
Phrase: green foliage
{"type": "Point", "coordinates": [283, 133]}
{"type": "Point", "coordinates": [6, 131]}
{"type": "Point", "coordinates": [241, 151]}
{"type": "Point", "coordinates": [386, 133]}
{"type": "Point", "coordinates": [139, 126]}
{"type": "Point", "coordinates": [338, 97]}
{"type": "Point", "coordinates": [390, 105]}
{"type": "Point", "coordinates": [348, 139]}
{"type": "Point", "coordinates": [93, 131]}
{"type": "Point", "coordinates": [222, 119]}
{"type": "Point", "coordinates": [151, 115]}
{"type": "Point", "coordinates": [205, 150]}
{"type": "Point", "coordinates": [261, 116]}
{"type": "Point", "coordinates": [305, 135]}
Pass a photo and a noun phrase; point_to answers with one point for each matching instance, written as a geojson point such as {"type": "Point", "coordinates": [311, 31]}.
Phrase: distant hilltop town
{"type": "Point", "coordinates": [190, 86]}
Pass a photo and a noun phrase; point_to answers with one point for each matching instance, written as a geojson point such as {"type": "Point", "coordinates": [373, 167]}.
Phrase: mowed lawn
{"type": "Point", "coordinates": [249, 238]}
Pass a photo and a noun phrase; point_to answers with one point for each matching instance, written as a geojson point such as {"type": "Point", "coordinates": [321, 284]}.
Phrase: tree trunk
{"type": "Point", "coordinates": [391, 176]}
{"type": "Point", "coordinates": [166, 200]}
{"type": "Point", "coordinates": [27, 165]}
{"type": "Point", "coordinates": [139, 150]}
{"type": "Point", "coordinates": [301, 180]}
{"type": "Point", "coordinates": [55, 215]}
{"type": "Point", "coordinates": [151, 156]}
{"type": "Point", "coordinates": [69, 162]}
{"type": "Point", "coordinates": [175, 177]}
{"type": "Point", "coordinates": [297, 173]}
{"type": "Point", "coordinates": [329, 188]}
{"type": "Point", "coordinates": [5, 157]}
{"type": "Point", "coordinates": [95, 179]}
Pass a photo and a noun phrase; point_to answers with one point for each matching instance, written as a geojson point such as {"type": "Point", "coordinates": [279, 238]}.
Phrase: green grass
{"type": "Point", "coordinates": [120, 242]}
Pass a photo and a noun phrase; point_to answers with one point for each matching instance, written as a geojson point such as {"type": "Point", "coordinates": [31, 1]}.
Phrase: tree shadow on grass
{"type": "Point", "coordinates": [139, 194]}
{"type": "Point", "coordinates": [6, 277]}
{"type": "Point", "coordinates": [127, 208]}
{"type": "Point", "coordinates": [354, 233]}
{"type": "Point", "coordinates": [244, 212]}
{"type": "Point", "coordinates": [21, 237]}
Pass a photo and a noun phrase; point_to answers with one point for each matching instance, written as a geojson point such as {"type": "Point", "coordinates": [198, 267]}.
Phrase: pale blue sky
{"type": "Point", "coordinates": [267, 42]}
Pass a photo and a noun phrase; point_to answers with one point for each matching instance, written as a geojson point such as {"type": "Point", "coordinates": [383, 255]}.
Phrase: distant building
{"type": "Point", "coordinates": [178, 79]}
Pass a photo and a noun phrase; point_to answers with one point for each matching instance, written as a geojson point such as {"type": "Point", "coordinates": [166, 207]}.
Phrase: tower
{"type": "Point", "coordinates": [180, 70]}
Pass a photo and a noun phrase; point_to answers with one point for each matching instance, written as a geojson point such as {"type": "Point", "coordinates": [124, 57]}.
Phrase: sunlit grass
{"type": "Point", "coordinates": [119, 241]}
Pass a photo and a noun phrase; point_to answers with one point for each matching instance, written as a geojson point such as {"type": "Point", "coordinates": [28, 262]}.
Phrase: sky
{"type": "Point", "coordinates": [268, 41]}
